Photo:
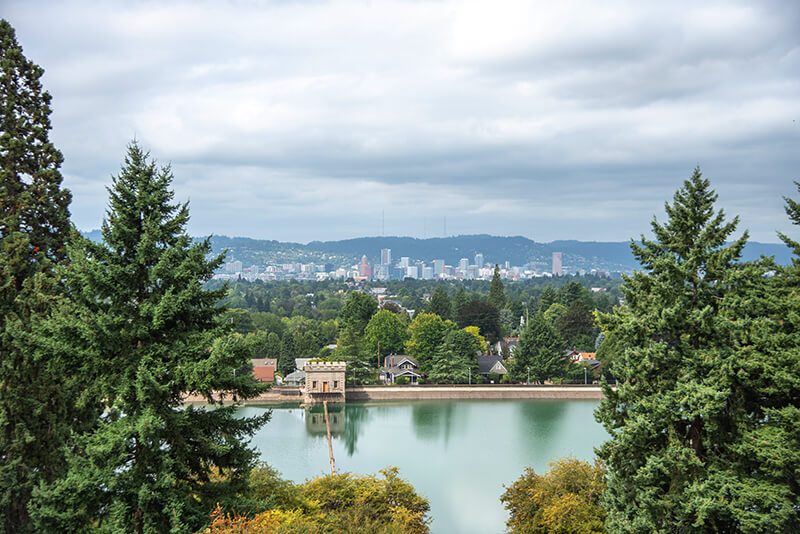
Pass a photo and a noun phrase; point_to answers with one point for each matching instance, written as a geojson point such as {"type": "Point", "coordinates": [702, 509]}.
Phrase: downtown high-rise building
{"type": "Point", "coordinates": [463, 264]}
{"type": "Point", "coordinates": [479, 260]}
{"type": "Point", "coordinates": [386, 256]}
{"type": "Point", "coordinates": [557, 270]}
{"type": "Point", "coordinates": [438, 267]}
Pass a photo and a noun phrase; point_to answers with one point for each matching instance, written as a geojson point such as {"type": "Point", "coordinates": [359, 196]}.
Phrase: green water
{"type": "Point", "coordinates": [458, 454]}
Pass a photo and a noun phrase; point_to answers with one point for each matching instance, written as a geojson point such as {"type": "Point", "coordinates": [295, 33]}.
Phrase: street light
{"type": "Point", "coordinates": [529, 375]}
{"type": "Point", "coordinates": [584, 375]}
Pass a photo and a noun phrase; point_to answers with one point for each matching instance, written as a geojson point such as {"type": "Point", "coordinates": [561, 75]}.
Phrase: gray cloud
{"type": "Point", "coordinates": [306, 120]}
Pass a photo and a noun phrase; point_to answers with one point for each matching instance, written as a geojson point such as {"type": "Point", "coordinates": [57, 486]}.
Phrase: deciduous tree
{"type": "Point", "coordinates": [387, 331]}
{"type": "Point", "coordinates": [565, 500]}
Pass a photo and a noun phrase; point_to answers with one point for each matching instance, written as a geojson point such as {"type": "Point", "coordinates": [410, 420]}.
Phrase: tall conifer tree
{"type": "Point", "coordinates": [704, 385]}
{"type": "Point", "coordinates": [35, 395]}
{"type": "Point", "coordinates": [154, 330]}
{"type": "Point", "coordinates": [497, 296]}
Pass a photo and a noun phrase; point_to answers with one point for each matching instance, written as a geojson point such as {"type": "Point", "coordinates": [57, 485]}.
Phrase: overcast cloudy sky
{"type": "Point", "coordinates": [308, 120]}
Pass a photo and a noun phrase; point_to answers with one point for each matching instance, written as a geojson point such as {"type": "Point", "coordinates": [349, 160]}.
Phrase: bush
{"type": "Point", "coordinates": [343, 503]}
{"type": "Point", "coordinates": [565, 500]}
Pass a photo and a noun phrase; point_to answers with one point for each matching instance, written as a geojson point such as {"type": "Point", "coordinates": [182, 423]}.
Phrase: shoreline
{"type": "Point", "coordinates": [284, 394]}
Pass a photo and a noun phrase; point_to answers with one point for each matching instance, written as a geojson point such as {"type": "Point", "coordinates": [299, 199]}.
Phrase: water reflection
{"type": "Point", "coordinates": [357, 417]}
{"type": "Point", "coordinates": [432, 421]}
{"type": "Point", "coordinates": [315, 420]}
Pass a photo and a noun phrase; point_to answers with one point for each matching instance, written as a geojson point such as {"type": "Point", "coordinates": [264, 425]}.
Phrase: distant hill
{"type": "Point", "coordinates": [518, 250]}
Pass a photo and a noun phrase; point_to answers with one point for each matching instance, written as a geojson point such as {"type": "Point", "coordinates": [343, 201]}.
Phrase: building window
{"type": "Point", "coordinates": [314, 385]}
{"type": "Point", "coordinates": [335, 384]}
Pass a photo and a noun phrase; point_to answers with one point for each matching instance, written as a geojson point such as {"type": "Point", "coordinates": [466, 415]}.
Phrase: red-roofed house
{"type": "Point", "coordinates": [264, 369]}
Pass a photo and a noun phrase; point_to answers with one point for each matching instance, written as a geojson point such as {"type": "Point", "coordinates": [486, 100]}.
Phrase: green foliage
{"type": "Point", "coordinates": [460, 300]}
{"type": "Point", "coordinates": [425, 334]}
{"type": "Point", "coordinates": [40, 382]}
{"type": "Point", "coordinates": [455, 359]}
{"type": "Point", "coordinates": [565, 500]}
{"type": "Point", "coordinates": [707, 366]}
{"type": "Point", "coordinates": [483, 315]}
{"type": "Point", "coordinates": [357, 311]}
{"type": "Point", "coordinates": [387, 331]}
{"type": "Point", "coordinates": [153, 335]}
{"type": "Point", "coordinates": [576, 326]}
{"type": "Point", "coordinates": [540, 354]}
{"type": "Point", "coordinates": [287, 354]}
{"type": "Point", "coordinates": [554, 313]}
{"type": "Point", "coordinates": [343, 503]}
{"type": "Point", "coordinates": [497, 296]}
{"type": "Point", "coordinates": [440, 303]}
{"type": "Point", "coordinates": [547, 298]}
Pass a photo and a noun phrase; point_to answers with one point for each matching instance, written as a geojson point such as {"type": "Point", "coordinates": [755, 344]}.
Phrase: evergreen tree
{"type": "Point", "coordinates": [287, 354]}
{"type": "Point", "coordinates": [497, 296]}
{"type": "Point", "coordinates": [483, 315]}
{"type": "Point", "coordinates": [540, 354]}
{"type": "Point", "coordinates": [460, 300]}
{"type": "Point", "coordinates": [440, 304]}
{"type": "Point", "coordinates": [576, 326]}
{"type": "Point", "coordinates": [455, 359]}
{"type": "Point", "coordinates": [156, 336]}
{"type": "Point", "coordinates": [547, 298]}
{"type": "Point", "coordinates": [357, 311]}
{"type": "Point", "coordinates": [273, 346]}
{"type": "Point", "coordinates": [704, 421]}
{"type": "Point", "coordinates": [37, 395]}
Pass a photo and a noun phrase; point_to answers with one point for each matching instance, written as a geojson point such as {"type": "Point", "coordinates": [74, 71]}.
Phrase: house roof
{"type": "Point", "coordinates": [264, 374]}
{"type": "Point", "coordinates": [396, 360]}
{"type": "Point", "coordinates": [397, 372]}
{"type": "Point", "coordinates": [488, 363]}
{"type": "Point", "coordinates": [297, 376]}
{"type": "Point", "coordinates": [264, 362]}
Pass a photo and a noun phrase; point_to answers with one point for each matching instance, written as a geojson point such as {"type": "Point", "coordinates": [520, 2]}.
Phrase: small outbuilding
{"type": "Point", "coordinates": [324, 382]}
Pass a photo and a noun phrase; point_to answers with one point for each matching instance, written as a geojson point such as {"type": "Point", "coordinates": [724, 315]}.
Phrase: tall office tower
{"type": "Point", "coordinates": [412, 271]}
{"type": "Point", "coordinates": [479, 260]}
{"type": "Point", "coordinates": [438, 267]}
{"type": "Point", "coordinates": [386, 256]}
{"type": "Point", "coordinates": [463, 264]}
{"type": "Point", "coordinates": [364, 268]}
{"type": "Point", "coordinates": [427, 273]}
{"type": "Point", "coordinates": [557, 264]}
{"type": "Point", "coordinates": [404, 262]}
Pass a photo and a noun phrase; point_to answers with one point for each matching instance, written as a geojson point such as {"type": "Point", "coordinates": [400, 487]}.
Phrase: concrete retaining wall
{"type": "Point", "coordinates": [281, 394]}
{"type": "Point", "coordinates": [472, 392]}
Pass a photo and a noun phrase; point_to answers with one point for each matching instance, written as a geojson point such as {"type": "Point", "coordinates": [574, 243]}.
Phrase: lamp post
{"type": "Point", "coordinates": [469, 369]}
{"type": "Point", "coordinates": [529, 376]}
{"type": "Point", "coordinates": [584, 375]}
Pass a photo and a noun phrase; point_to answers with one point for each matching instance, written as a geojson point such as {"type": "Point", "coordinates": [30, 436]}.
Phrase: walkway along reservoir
{"type": "Point", "coordinates": [282, 394]}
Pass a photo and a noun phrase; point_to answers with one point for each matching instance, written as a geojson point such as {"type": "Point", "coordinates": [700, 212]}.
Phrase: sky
{"type": "Point", "coordinates": [316, 120]}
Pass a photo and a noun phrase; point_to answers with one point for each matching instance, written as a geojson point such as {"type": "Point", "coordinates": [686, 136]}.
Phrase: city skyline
{"type": "Point", "coordinates": [324, 121]}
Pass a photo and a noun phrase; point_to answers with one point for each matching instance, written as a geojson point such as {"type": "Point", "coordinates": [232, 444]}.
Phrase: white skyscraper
{"type": "Point", "coordinates": [404, 261]}
{"type": "Point", "coordinates": [463, 264]}
{"type": "Point", "coordinates": [386, 256]}
{"type": "Point", "coordinates": [438, 267]}
{"type": "Point", "coordinates": [479, 260]}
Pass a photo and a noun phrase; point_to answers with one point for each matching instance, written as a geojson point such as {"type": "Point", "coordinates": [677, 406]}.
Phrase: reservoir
{"type": "Point", "coordinates": [458, 454]}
